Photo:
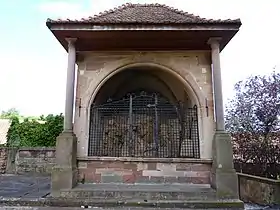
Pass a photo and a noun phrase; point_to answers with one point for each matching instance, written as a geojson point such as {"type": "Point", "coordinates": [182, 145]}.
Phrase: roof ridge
{"type": "Point", "coordinates": [173, 9]}
{"type": "Point", "coordinates": [131, 5]}
{"type": "Point", "coordinates": [119, 9]}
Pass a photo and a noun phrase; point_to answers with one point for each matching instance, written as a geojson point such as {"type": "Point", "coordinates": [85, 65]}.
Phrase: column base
{"type": "Point", "coordinates": [224, 178]}
{"type": "Point", "coordinates": [63, 179]}
{"type": "Point", "coordinates": [65, 172]}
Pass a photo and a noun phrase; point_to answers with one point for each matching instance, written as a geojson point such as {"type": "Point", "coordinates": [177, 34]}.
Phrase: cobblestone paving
{"type": "Point", "coordinates": [18, 186]}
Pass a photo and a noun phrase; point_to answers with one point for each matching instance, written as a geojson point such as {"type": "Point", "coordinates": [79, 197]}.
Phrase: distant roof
{"type": "Point", "coordinates": [145, 14]}
{"type": "Point", "coordinates": [4, 127]}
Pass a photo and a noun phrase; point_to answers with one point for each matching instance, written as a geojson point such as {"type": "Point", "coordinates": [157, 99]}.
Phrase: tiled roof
{"type": "Point", "coordinates": [145, 14]}
{"type": "Point", "coordinates": [4, 127]}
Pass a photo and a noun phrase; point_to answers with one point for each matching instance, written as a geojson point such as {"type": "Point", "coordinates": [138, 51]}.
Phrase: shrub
{"type": "Point", "coordinates": [34, 133]}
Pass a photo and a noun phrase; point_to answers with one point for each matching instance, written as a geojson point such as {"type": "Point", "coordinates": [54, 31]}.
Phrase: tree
{"type": "Point", "coordinates": [9, 114]}
{"type": "Point", "coordinates": [256, 105]}
{"type": "Point", "coordinates": [252, 118]}
{"type": "Point", "coordinates": [13, 137]}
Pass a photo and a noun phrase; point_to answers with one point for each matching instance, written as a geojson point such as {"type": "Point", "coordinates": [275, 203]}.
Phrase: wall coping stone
{"type": "Point", "coordinates": [36, 148]}
{"type": "Point", "coordinates": [133, 159]}
{"type": "Point", "coordinates": [260, 179]}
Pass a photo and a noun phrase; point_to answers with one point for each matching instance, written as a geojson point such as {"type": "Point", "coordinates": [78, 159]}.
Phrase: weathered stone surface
{"type": "Point", "coordinates": [35, 160]}
{"type": "Point", "coordinates": [3, 160]}
{"type": "Point", "coordinates": [96, 171]}
{"type": "Point", "coordinates": [193, 67]}
{"type": "Point", "coordinates": [258, 189]}
{"type": "Point", "coordinates": [65, 173]}
{"type": "Point", "coordinates": [28, 191]}
{"type": "Point", "coordinates": [223, 174]}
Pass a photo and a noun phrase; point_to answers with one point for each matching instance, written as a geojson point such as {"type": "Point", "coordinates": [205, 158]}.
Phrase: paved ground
{"type": "Point", "coordinates": [24, 186]}
{"type": "Point", "coordinates": [52, 208]}
{"type": "Point", "coordinates": [39, 187]}
{"type": "Point", "coordinates": [96, 208]}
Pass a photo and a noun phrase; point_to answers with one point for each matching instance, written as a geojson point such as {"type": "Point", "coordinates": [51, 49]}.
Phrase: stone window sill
{"type": "Point", "coordinates": [133, 159]}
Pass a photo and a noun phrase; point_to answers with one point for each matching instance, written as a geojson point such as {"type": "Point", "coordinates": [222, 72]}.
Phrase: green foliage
{"type": "Point", "coordinates": [35, 133]}
{"type": "Point", "coordinates": [13, 135]}
{"type": "Point", "coordinates": [9, 114]}
{"type": "Point", "coordinates": [14, 113]}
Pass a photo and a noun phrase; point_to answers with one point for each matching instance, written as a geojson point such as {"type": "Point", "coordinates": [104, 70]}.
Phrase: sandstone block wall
{"type": "Point", "coordinates": [3, 160]}
{"type": "Point", "coordinates": [193, 67]}
{"type": "Point", "coordinates": [35, 160]}
{"type": "Point", "coordinates": [106, 170]}
{"type": "Point", "coordinates": [258, 189]}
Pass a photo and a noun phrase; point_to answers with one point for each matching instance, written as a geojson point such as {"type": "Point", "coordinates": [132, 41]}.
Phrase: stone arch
{"type": "Point", "coordinates": [188, 81]}
{"type": "Point", "coordinates": [133, 80]}
{"type": "Point", "coordinates": [192, 88]}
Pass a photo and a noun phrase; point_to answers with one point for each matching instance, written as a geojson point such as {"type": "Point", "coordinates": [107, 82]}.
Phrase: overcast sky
{"type": "Point", "coordinates": [33, 63]}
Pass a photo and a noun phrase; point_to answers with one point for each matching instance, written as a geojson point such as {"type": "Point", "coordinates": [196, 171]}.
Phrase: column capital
{"type": "Point", "coordinates": [71, 40]}
{"type": "Point", "coordinates": [214, 42]}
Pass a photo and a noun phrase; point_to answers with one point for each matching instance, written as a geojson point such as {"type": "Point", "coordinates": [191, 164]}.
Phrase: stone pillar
{"type": "Point", "coordinates": [70, 85]}
{"type": "Point", "coordinates": [65, 173]}
{"type": "Point", "coordinates": [224, 177]}
{"type": "Point", "coordinates": [217, 83]}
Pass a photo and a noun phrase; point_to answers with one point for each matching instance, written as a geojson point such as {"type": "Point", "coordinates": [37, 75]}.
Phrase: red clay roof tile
{"type": "Point", "coordinates": [145, 14]}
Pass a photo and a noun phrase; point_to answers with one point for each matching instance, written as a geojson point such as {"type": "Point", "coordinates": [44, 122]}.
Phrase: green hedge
{"type": "Point", "coordinates": [35, 133]}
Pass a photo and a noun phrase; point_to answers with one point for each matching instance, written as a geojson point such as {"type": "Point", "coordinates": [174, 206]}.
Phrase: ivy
{"type": "Point", "coordinates": [35, 133]}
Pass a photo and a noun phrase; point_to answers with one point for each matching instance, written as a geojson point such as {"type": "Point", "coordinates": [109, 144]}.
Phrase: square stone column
{"type": "Point", "coordinates": [224, 177]}
{"type": "Point", "coordinates": [65, 173]}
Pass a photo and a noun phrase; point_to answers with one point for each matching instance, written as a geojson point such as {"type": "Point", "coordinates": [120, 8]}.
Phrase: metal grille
{"type": "Point", "coordinates": [143, 125]}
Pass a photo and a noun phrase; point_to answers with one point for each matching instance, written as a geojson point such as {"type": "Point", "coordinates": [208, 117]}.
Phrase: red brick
{"type": "Point", "coordinates": [132, 166]}
{"type": "Point", "coordinates": [96, 178]}
{"type": "Point", "coordinates": [138, 173]}
{"type": "Point", "coordinates": [129, 178]}
{"type": "Point", "coordinates": [92, 177]}
{"type": "Point", "coordinates": [88, 176]}
{"type": "Point", "coordinates": [94, 165]}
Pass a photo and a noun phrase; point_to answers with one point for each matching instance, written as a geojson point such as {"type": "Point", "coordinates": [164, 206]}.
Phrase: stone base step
{"type": "Point", "coordinates": [142, 192]}
{"type": "Point", "coordinates": [132, 204]}
{"type": "Point", "coordinates": [192, 196]}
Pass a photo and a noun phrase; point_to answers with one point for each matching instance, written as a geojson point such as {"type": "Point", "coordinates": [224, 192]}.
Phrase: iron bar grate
{"type": "Point", "coordinates": [145, 125]}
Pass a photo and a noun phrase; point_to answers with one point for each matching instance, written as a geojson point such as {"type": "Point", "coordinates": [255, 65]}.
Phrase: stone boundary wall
{"type": "Point", "coordinates": [3, 159]}
{"type": "Point", "coordinates": [143, 170]}
{"type": "Point", "coordinates": [107, 169]}
{"type": "Point", "coordinates": [35, 160]}
{"type": "Point", "coordinates": [258, 189]}
{"type": "Point", "coordinates": [27, 160]}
